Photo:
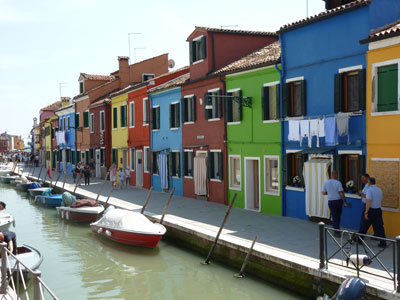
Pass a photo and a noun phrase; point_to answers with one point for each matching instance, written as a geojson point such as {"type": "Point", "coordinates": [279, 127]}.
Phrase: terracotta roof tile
{"type": "Point", "coordinates": [326, 14]}
{"type": "Point", "coordinates": [249, 32]}
{"type": "Point", "coordinates": [97, 77]}
{"type": "Point", "coordinates": [54, 106]}
{"type": "Point", "coordinates": [172, 83]}
{"type": "Point", "coordinates": [385, 32]}
{"type": "Point", "coordinates": [268, 54]}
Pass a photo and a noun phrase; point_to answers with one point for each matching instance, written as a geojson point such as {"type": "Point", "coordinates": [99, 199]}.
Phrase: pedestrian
{"type": "Point", "coordinates": [127, 176]}
{"type": "Point", "coordinates": [334, 189]}
{"type": "Point", "coordinates": [10, 239]}
{"type": "Point", "coordinates": [113, 174]}
{"type": "Point", "coordinates": [363, 193]}
{"type": "Point", "coordinates": [86, 174]}
{"type": "Point", "coordinates": [121, 175]}
{"type": "Point", "coordinates": [373, 212]}
{"type": "Point", "coordinates": [2, 205]}
{"type": "Point", "coordinates": [92, 168]}
{"type": "Point", "coordinates": [74, 172]}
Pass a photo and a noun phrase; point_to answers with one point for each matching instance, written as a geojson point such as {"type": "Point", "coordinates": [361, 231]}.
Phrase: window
{"type": "Point", "coordinates": [64, 124]}
{"type": "Point", "coordinates": [145, 111]}
{"type": "Point", "coordinates": [78, 156]}
{"type": "Point", "coordinates": [146, 159]}
{"type": "Point", "coordinates": [174, 113]}
{"type": "Point", "coordinates": [91, 153]}
{"type": "Point", "coordinates": [174, 164]}
{"type": "Point", "coordinates": [132, 159]}
{"type": "Point", "coordinates": [234, 172]}
{"type": "Point", "coordinates": [386, 88]}
{"type": "Point", "coordinates": [215, 165]}
{"type": "Point", "coordinates": [147, 76]}
{"type": "Point", "coordinates": [77, 120]}
{"type": "Point", "coordinates": [73, 157]}
{"type": "Point", "coordinates": [189, 109]}
{"type": "Point", "coordinates": [91, 122]}
{"type": "Point", "coordinates": [155, 116]}
{"type": "Point", "coordinates": [114, 156]}
{"type": "Point", "coordinates": [188, 163]}
{"type": "Point", "coordinates": [350, 167]}
{"type": "Point", "coordinates": [102, 121]}
{"type": "Point", "coordinates": [350, 91]}
{"type": "Point", "coordinates": [132, 114]}
{"type": "Point", "coordinates": [154, 162]}
{"type": "Point", "coordinates": [123, 116]}
{"type": "Point", "coordinates": [212, 105]}
{"type": "Point", "coordinates": [86, 119]}
{"type": "Point", "coordinates": [87, 155]}
{"type": "Point", "coordinates": [292, 167]}
{"type": "Point", "coordinates": [271, 174]}
{"type": "Point", "coordinates": [197, 49]}
{"type": "Point", "coordinates": [81, 87]}
{"type": "Point", "coordinates": [270, 101]}
{"type": "Point", "coordinates": [68, 155]}
{"type": "Point", "coordinates": [115, 116]}
{"type": "Point", "coordinates": [294, 99]}
{"type": "Point", "coordinates": [102, 156]}
{"type": "Point", "coordinates": [68, 123]}
{"type": "Point", "coordinates": [233, 106]}
{"type": "Point", "coordinates": [53, 133]}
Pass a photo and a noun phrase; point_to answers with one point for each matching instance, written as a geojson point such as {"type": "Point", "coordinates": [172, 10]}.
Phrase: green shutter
{"type": "Point", "coordinates": [177, 115]}
{"type": "Point", "coordinates": [285, 99]}
{"type": "Point", "coordinates": [388, 88]}
{"type": "Point", "coordinates": [77, 123]}
{"type": "Point", "coordinates": [206, 111]}
{"type": "Point", "coordinates": [362, 89]}
{"type": "Point", "coordinates": [339, 93]}
{"type": "Point", "coordinates": [122, 116]}
{"type": "Point", "coordinates": [191, 51]}
{"type": "Point", "coordinates": [228, 107]}
{"type": "Point", "coordinates": [240, 106]}
{"type": "Point", "coordinates": [86, 119]}
{"type": "Point", "coordinates": [194, 108]}
{"type": "Point", "coordinates": [184, 108]}
{"type": "Point", "coordinates": [265, 103]}
{"type": "Point", "coordinates": [303, 97]}
{"type": "Point", "coordinates": [115, 117]}
{"type": "Point", "coordinates": [204, 48]}
{"type": "Point", "coordinates": [171, 116]}
{"type": "Point", "coordinates": [277, 99]}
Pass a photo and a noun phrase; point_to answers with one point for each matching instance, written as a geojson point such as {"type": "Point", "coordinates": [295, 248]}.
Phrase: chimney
{"type": "Point", "coordinates": [65, 101]}
{"type": "Point", "coordinates": [123, 71]}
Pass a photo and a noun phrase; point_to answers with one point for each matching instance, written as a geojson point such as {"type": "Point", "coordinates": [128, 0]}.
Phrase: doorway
{"type": "Point", "coordinates": [97, 161]}
{"type": "Point", "coordinates": [252, 183]}
{"type": "Point", "coordinates": [200, 175]}
{"type": "Point", "coordinates": [139, 168]}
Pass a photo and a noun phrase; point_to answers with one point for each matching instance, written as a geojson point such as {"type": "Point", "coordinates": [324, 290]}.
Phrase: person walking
{"type": "Point", "coordinates": [113, 174]}
{"type": "Point", "coordinates": [86, 174]}
{"type": "Point", "coordinates": [127, 176]}
{"type": "Point", "coordinates": [373, 212]}
{"type": "Point", "coordinates": [92, 168]}
{"type": "Point", "coordinates": [363, 193]}
{"type": "Point", "coordinates": [334, 189]}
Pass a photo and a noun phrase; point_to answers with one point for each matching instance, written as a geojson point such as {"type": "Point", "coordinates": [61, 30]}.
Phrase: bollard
{"type": "Point", "coordinates": [398, 262]}
{"type": "Point", "coordinates": [4, 282]}
{"type": "Point", "coordinates": [36, 284]}
{"type": "Point", "coordinates": [321, 226]}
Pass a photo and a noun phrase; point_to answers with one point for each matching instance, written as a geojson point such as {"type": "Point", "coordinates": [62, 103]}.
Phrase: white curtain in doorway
{"type": "Point", "coordinates": [200, 176]}
{"type": "Point", "coordinates": [163, 166]}
{"type": "Point", "coordinates": [315, 174]}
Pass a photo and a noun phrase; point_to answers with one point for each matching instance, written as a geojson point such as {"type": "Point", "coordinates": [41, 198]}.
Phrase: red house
{"type": "Point", "coordinates": [203, 124]}
{"type": "Point", "coordinates": [4, 144]}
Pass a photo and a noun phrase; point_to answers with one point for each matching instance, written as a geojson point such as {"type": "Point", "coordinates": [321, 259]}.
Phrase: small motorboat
{"type": "Point", "coordinates": [128, 227]}
{"type": "Point", "coordinates": [38, 191]}
{"type": "Point", "coordinates": [5, 221]}
{"type": "Point", "coordinates": [4, 171]}
{"type": "Point", "coordinates": [7, 178]}
{"type": "Point", "coordinates": [23, 186]}
{"type": "Point", "coordinates": [84, 210]}
{"type": "Point", "coordinates": [49, 200]}
{"type": "Point", "coordinates": [29, 256]}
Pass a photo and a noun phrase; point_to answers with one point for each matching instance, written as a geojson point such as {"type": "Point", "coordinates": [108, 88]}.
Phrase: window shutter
{"type": "Point", "coordinates": [76, 121]}
{"type": "Point", "coordinates": [338, 104]}
{"type": "Point", "coordinates": [194, 108]}
{"type": "Point", "coordinates": [265, 102]}
{"type": "Point", "coordinates": [170, 163]}
{"type": "Point", "coordinates": [158, 118]}
{"type": "Point", "coordinates": [191, 51]}
{"type": "Point", "coordinates": [285, 171]}
{"type": "Point", "coordinates": [285, 99]}
{"type": "Point", "coordinates": [184, 162]}
{"type": "Point", "coordinates": [184, 108]}
{"type": "Point", "coordinates": [210, 164]}
{"type": "Point", "coordinates": [219, 104]}
{"type": "Point", "coordinates": [277, 99]}
{"type": "Point", "coordinates": [206, 111]}
{"type": "Point", "coordinates": [240, 106]}
{"type": "Point", "coordinates": [361, 169]}
{"type": "Point", "coordinates": [228, 107]}
{"type": "Point", "coordinates": [361, 86]}
{"type": "Point", "coordinates": [115, 115]}
{"type": "Point", "coordinates": [121, 116]}
{"type": "Point", "coordinates": [303, 97]}
{"type": "Point", "coordinates": [177, 113]}
{"type": "Point", "coordinates": [339, 167]}
{"type": "Point", "coordinates": [178, 156]}
{"type": "Point", "coordinates": [220, 166]}
{"type": "Point", "coordinates": [152, 118]}
{"type": "Point", "coordinates": [171, 116]}
{"type": "Point", "coordinates": [203, 45]}
{"type": "Point", "coordinates": [301, 169]}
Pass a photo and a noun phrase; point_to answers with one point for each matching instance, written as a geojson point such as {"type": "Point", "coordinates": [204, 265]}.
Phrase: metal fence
{"type": "Point", "coordinates": [15, 282]}
{"type": "Point", "coordinates": [352, 249]}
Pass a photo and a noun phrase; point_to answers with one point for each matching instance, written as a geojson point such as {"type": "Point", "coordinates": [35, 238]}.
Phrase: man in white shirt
{"type": "Point", "coordinates": [334, 189]}
{"type": "Point", "coordinates": [363, 193]}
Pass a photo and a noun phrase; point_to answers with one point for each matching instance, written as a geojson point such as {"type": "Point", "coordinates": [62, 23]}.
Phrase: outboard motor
{"type": "Point", "coordinates": [350, 289]}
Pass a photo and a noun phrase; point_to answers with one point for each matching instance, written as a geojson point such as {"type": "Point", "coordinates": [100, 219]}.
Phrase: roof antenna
{"type": "Point", "coordinates": [307, 7]}
{"type": "Point", "coordinates": [225, 26]}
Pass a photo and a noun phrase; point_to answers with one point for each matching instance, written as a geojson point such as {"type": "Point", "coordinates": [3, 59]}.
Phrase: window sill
{"type": "Point", "coordinates": [114, 128]}
{"type": "Point", "coordinates": [270, 121]}
{"type": "Point", "coordinates": [145, 124]}
{"type": "Point", "coordinates": [132, 126]}
{"type": "Point", "coordinates": [233, 123]}
{"type": "Point", "coordinates": [390, 209]}
{"type": "Point", "coordinates": [155, 130]}
{"type": "Point", "coordinates": [235, 188]}
{"type": "Point", "coordinates": [189, 123]}
{"type": "Point", "coordinates": [292, 188]}
{"type": "Point", "coordinates": [294, 118]}
{"type": "Point", "coordinates": [123, 127]}
{"type": "Point", "coordinates": [176, 177]}
{"type": "Point", "coordinates": [146, 172]}
{"type": "Point", "coordinates": [175, 128]}
{"type": "Point", "coordinates": [215, 180]}
{"type": "Point", "coordinates": [154, 174]}
{"type": "Point", "coordinates": [197, 61]}
{"type": "Point", "coordinates": [188, 177]}
{"type": "Point", "coordinates": [385, 113]}
{"type": "Point", "coordinates": [215, 119]}
{"type": "Point", "coordinates": [354, 196]}
{"type": "Point", "coordinates": [272, 193]}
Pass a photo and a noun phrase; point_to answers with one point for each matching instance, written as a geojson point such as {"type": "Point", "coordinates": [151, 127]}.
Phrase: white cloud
{"type": "Point", "coordinates": [11, 15]}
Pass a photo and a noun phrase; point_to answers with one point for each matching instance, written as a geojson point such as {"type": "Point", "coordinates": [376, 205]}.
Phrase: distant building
{"type": "Point", "coordinates": [4, 144]}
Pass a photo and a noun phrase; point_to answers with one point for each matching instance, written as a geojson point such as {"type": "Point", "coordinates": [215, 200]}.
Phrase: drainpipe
{"type": "Point", "coordinates": [282, 80]}
{"type": "Point", "coordinates": [225, 149]}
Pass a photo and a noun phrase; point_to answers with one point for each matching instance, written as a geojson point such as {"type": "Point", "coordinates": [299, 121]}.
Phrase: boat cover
{"type": "Point", "coordinates": [67, 199]}
{"type": "Point", "coordinates": [34, 185]}
{"type": "Point", "coordinates": [85, 202]}
{"type": "Point", "coordinates": [46, 192]}
{"type": "Point", "coordinates": [121, 219]}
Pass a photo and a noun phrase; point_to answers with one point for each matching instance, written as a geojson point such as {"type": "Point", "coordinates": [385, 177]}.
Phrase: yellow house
{"type": "Point", "coordinates": [383, 120]}
{"type": "Point", "coordinates": [119, 133]}
{"type": "Point", "coordinates": [47, 141]}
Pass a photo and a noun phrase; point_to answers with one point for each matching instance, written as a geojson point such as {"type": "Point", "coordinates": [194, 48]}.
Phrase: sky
{"type": "Point", "coordinates": [46, 44]}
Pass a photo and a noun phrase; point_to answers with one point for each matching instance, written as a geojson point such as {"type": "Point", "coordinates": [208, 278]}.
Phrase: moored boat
{"type": "Point", "coordinates": [29, 256]}
{"type": "Point", "coordinates": [128, 227]}
{"type": "Point", "coordinates": [7, 178]}
{"type": "Point", "coordinates": [84, 210]}
{"type": "Point", "coordinates": [49, 200]}
{"type": "Point", "coordinates": [23, 186]}
{"type": "Point", "coordinates": [5, 221]}
{"type": "Point", "coordinates": [38, 191]}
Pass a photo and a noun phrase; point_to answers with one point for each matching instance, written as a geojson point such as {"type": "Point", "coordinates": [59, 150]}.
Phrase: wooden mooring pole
{"type": "Point", "coordinates": [40, 172]}
{"type": "Point", "coordinates": [58, 177]}
{"type": "Point", "coordinates": [78, 181]}
{"type": "Point", "coordinates": [207, 261]}
{"type": "Point", "coordinates": [147, 200]}
{"type": "Point", "coordinates": [65, 178]}
{"type": "Point", "coordinates": [101, 188]}
{"type": "Point", "coordinates": [109, 195]}
{"type": "Point", "coordinates": [167, 204]}
{"type": "Point", "coordinates": [241, 275]}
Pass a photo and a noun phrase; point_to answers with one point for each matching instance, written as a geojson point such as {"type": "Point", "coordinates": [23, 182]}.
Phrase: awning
{"type": "Point", "coordinates": [317, 150]}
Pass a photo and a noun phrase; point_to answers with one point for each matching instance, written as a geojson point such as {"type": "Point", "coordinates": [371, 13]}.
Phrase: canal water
{"type": "Point", "coordinates": [78, 264]}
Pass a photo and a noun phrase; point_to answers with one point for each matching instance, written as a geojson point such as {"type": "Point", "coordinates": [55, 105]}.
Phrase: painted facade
{"type": "Point", "coordinates": [319, 80]}
{"type": "Point", "coordinates": [383, 107]}
{"type": "Point", "coordinates": [47, 142]}
{"type": "Point", "coordinates": [66, 138]}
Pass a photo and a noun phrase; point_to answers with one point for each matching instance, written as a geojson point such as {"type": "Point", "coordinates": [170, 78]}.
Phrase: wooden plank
{"type": "Point", "coordinates": [386, 174]}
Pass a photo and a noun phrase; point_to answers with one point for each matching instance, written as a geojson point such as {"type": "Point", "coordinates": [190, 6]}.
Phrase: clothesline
{"type": "Point", "coordinates": [340, 115]}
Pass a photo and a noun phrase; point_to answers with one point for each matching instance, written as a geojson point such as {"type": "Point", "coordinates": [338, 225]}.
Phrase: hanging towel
{"type": "Point", "coordinates": [315, 174]}
{"type": "Point", "coordinates": [200, 176]}
{"type": "Point", "coordinates": [321, 127]}
{"type": "Point", "coordinates": [331, 135]}
{"type": "Point", "coordinates": [304, 130]}
{"type": "Point", "coordinates": [163, 166]}
{"type": "Point", "coordinates": [342, 121]}
{"type": "Point", "coordinates": [294, 130]}
{"type": "Point", "coordinates": [313, 132]}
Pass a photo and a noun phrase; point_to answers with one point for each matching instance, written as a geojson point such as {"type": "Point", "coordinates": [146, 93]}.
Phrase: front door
{"type": "Point", "coordinates": [200, 173]}
{"type": "Point", "coordinates": [252, 183]}
{"type": "Point", "coordinates": [97, 158]}
{"type": "Point", "coordinates": [139, 168]}
{"type": "Point", "coordinates": [124, 158]}
{"type": "Point", "coordinates": [64, 159]}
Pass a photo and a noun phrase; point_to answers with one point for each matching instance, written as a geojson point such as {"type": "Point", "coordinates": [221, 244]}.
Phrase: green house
{"type": "Point", "coordinates": [254, 130]}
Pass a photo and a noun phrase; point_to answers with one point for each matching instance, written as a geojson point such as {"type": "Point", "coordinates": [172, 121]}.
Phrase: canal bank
{"type": "Point", "coordinates": [286, 253]}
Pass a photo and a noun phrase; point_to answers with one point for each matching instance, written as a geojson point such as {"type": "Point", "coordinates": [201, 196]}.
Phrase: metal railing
{"type": "Point", "coordinates": [343, 246]}
{"type": "Point", "coordinates": [15, 283]}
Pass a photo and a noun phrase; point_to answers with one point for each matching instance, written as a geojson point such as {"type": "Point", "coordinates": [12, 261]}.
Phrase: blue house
{"type": "Point", "coordinates": [166, 140]}
{"type": "Point", "coordinates": [323, 99]}
{"type": "Point", "coordinates": [66, 137]}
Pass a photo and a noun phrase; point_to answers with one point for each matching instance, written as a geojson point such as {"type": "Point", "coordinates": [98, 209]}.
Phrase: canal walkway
{"type": "Point", "coordinates": [292, 243]}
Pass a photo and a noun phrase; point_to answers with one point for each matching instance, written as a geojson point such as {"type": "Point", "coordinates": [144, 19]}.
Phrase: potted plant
{"type": "Point", "coordinates": [350, 186]}
{"type": "Point", "coordinates": [296, 181]}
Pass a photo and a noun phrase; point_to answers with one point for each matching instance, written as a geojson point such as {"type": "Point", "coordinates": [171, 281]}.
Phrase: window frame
{"type": "Point", "coordinates": [146, 162]}
{"type": "Point", "coordinates": [264, 105]}
{"type": "Point", "coordinates": [211, 162]}
{"type": "Point", "coordinates": [175, 122]}
{"type": "Point", "coordinates": [132, 114]}
{"type": "Point", "coordinates": [231, 185]}
{"type": "Point", "coordinates": [91, 122]}
{"type": "Point", "coordinates": [123, 117]}
{"type": "Point", "coordinates": [155, 120]}
{"type": "Point", "coordinates": [267, 191]}
{"type": "Point", "coordinates": [146, 118]}
{"type": "Point", "coordinates": [154, 163]}
{"type": "Point", "coordinates": [288, 103]}
{"type": "Point", "coordinates": [115, 117]}
{"type": "Point", "coordinates": [84, 113]}
{"type": "Point", "coordinates": [77, 120]}
{"type": "Point", "coordinates": [175, 173]}
{"type": "Point", "coordinates": [208, 113]}
{"type": "Point", "coordinates": [102, 121]}
{"type": "Point", "coordinates": [185, 109]}
{"type": "Point", "coordinates": [185, 167]}
{"type": "Point", "coordinates": [198, 42]}
{"type": "Point", "coordinates": [230, 106]}
{"type": "Point", "coordinates": [68, 123]}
